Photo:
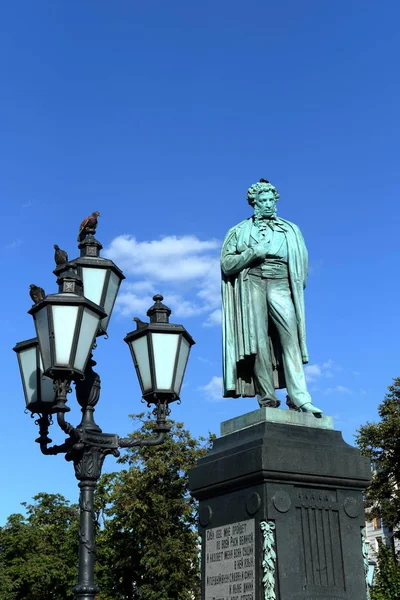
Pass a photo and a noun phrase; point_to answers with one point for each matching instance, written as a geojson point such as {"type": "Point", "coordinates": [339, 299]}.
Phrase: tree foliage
{"type": "Point", "coordinates": [38, 551]}
{"type": "Point", "coordinates": [387, 579]}
{"type": "Point", "coordinates": [146, 530]}
{"type": "Point", "coordinates": [381, 443]}
{"type": "Point", "coordinates": [148, 544]}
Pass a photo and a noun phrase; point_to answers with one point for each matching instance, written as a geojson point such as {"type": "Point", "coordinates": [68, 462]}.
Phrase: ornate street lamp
{"type": "Point", "coordinates": [67, 324]}
{"type": "Point", "coordinates": [160, 351]}
{"type": "Point", "coordinates": [101, 277]}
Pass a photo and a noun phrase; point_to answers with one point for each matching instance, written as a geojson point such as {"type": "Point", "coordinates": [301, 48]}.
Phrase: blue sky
{"type": "Point", "coordinates": [160, 115]}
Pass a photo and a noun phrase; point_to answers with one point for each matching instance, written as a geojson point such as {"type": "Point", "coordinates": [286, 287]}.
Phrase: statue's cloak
{"type": "Point", "coordinates": [238, 324]}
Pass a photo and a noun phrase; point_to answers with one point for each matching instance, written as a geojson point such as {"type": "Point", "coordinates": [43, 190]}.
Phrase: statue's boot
{"type": "Point", "coordinates": [310, 408]}
{"type": "Point", "coordinates": [268, 402]}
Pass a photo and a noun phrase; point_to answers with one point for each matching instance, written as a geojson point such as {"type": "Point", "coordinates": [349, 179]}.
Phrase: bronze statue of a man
{"type": "Point", "coordinates": [264, 265]}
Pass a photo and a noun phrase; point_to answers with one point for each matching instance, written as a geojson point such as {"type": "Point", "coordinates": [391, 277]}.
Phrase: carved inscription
{"type": "Point", "coordinates": [230, 562]}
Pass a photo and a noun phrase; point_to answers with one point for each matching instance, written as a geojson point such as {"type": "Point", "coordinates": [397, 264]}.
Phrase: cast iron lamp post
{"type": "Point", "coordinates": [67, 324]}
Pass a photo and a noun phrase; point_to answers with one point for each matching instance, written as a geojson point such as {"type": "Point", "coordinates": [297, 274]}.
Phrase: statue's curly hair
{"type": "Point", "coordinates": [261, 186]}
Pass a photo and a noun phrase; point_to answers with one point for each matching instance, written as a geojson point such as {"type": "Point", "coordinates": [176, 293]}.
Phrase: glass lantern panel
{"type": "Point", "coordinates": [181, 366]}
{"type": "Point", "coordinates": [111, 294]}
{"type": "Point", "coordinates": [47, 393]}
{"type": "Point", "coordinates": [141, 354]}
{"type": "Point", "coordinates": [28, 362]}
{"type": "Point", "coordinates": [93, 283]}
{"type": "Point", "coordinates": [89, 327]}
{"type": "Point", "coordinates": [165, 346]}
{"type": "Point", "coordinates": [64, 321]}
{"type": "Point", "coordinates": [42, 330]}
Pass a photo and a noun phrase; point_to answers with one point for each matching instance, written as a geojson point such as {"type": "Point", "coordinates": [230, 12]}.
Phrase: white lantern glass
{"type": "Point", "coordinates": [38, 390]}
{"type": "Point", "coordinates": [93, 283]}
{"type": "Point", "coordinates": [64, 323]}
{"type": "Point", "coordinates": [28, 361]}
{"type": "Point", "coordinates": [112, 290]}
{"type": "Point", "coordinates": [181, 366]}
{"type": "Point", "coordinates": [141, 354]}
{"type": "Point", "coordinates": [88, 330]}
{"type": "Point", "coordinates": [165, 346]}
{"type": "Point", "coordinates": [42, 329]}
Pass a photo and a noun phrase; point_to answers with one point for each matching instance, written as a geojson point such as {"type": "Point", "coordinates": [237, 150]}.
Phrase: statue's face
{"type": "Point", "coordinates": [265, 204]}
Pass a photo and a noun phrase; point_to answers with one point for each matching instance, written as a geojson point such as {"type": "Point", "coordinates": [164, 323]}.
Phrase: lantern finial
{"type": "Point", "coordinates": [90, 246]}
{"type": "Point", "coordinates": [159, 313]}
{"type": "Point", "coordinates": [68, 280]}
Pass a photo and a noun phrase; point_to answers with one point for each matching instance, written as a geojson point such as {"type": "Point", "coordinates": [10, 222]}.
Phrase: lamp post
{"type": "Point", "coordinates": [67, 324]}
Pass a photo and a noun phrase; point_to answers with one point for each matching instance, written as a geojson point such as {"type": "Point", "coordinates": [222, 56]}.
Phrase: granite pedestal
{"type": "Point", "coordinates": [281, 511]}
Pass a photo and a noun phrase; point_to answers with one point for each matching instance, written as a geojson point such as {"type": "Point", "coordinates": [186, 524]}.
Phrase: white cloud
{"type": "Point", "coordinates": [316, 370]}
{"type": "Point", "coordinates": [312, 372]}
{"type": "Point", "coordinates": [215, 318]}
{"type": "Point", "coordinates": [341, 389]}
{"type": "Point", "coordinates": [183, 268]}
{"type": "Point", "coordinates": [213, 389]}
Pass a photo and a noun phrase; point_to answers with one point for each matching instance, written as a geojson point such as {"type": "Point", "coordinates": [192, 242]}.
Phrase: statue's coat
{"type": "Point", "coordinates": [239, 339]}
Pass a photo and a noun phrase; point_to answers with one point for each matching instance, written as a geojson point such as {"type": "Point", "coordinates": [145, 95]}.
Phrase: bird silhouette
{"type": "Point", "coordinates": [139, 324]}
{"type": "Point", "coordinates": [36, 293]}
{"type": "Point", "coordinates": [60, 256]}
{"type": "Point", "coordinates": [89, 222]}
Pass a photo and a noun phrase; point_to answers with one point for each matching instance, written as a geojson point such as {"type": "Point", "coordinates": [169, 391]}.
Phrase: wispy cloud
{"type": "Point", "coordinates": [14, 244]}
{"type": "Point", "coordinates": [315, 371]}
{"type": "Point", "coordinates": [184, 268]}
{"type": "Point", "coordinates": [214, 318]}
{"type": "Point", "coordinates": [213, 389]}
{"type": "Point", "coordinates": [318, 375]}
{"type": "Point", "coordinates": [341, 389]}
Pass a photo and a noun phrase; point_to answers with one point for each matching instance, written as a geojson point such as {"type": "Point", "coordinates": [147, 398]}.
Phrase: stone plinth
{"type": "Point", "coordinates": [281, 511]}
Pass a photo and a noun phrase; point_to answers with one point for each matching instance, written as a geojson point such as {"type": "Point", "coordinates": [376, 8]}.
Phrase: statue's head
{"type": "Point", "coordinates": [262, 196]}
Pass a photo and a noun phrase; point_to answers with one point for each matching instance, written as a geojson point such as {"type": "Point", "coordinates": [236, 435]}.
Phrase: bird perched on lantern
{"type": "Point", "coordinates": [89, 222]}
{"type": "Point", "coordinates": [36, 293]}
{"type": "Point", "coordinates": [60, 256]}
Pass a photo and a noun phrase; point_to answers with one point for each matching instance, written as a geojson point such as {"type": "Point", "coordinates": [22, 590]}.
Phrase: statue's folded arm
{"type": "Point", "coordinates": [233, 262]}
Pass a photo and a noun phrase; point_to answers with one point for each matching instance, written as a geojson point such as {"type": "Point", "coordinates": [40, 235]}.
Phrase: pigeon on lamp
{"type": "Point", "coordinates": [36, 293]}
{"type": "Point", "coordinates": [60, 256]}
{"type": "Point", "coordinates": [139, 324]}
{"type": "Point", "coordinates": [89, 222]}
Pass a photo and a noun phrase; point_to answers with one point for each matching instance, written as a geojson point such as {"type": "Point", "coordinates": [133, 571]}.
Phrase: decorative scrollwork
{"type": "Point", "coordinates": [161, 411]}
{"type": "Point", "coordinates": [62, 387]}
{"type": "Point", "coordinates": [269, 558]}
{"type": "Point", "coordinates": [90, 546]}
{"type": "Point", "coordinates": [43, 422]}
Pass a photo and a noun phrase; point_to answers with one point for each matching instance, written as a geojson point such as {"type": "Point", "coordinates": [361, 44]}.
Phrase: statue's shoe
{"type": "Point", "coordinates": [310, 408]}
{"type": "Point", "coordinates": [269, 402]}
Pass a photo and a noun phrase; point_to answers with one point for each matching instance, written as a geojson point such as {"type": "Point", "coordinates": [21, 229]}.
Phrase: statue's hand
{"type": "Point", "coordinates": [260, 250]}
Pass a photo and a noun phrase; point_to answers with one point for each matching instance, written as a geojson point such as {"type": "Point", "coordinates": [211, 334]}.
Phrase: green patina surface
{"type": "Point", "coordinates": [264, 265]}
{"type": "Point", "coordinates": [275, 415]}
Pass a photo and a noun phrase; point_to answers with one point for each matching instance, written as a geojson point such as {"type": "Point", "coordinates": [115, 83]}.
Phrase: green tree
{"type": "Point", "coordinates": [148, 544]}
{"type": "Point", "coordinates": [387, 579]}
{"type": "Point", "coordinates": [381, 443]}
{"type": "Point", "coordinates": [38, 551]}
